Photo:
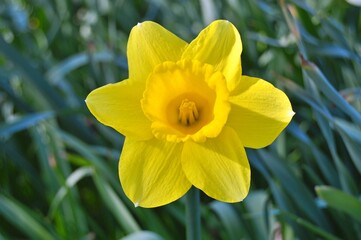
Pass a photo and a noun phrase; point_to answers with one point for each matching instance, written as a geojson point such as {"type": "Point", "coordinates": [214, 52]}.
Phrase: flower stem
{"type": "Point", "coordinates": [193, 215]}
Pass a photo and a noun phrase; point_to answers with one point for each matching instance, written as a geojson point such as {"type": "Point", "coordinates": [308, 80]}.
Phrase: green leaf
{"type": "Point", "coordinates": [351, 135]}
{"type": "Point", "coordinates": [323, 118]}
{"type": "Point", "coordinates": [59, 71]}
{"type": "Point", "coordinates": [6, 87]}
{"type": "Point", "coordinates": [255, 204]}
{"type": "Point", "coordinates": [332, 50]}
{"type": "Point", "coordinates": [144, 235]}
{"type": "Point", "coordinates": [115, 205]}
{"type": "Point", "coordinates": [302, 197]}
{"type": "Point", "coordinates": [229, 219]}
{"type": "Point", "coordinates": [23, 220]}
{"type": "Point", "coordinates": [71, 181]}
{"type": "Point", "coordinates": [311, 227]}
{"type": "Point", "coordinates": [341, 201]}
{"type": "Point", "coordinates": [330, 92]}
{"type": "Point", "coordinates": [326, 167]}
{"type": "Point", "coordinates": [34, 76]}
{"type": "Point", "coordinates": [8, 129]}
{"type": "Point", "coordinates": [87, 153]}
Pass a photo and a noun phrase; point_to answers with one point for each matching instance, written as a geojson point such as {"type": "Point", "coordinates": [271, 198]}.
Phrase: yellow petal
{"type": "Point", "coordinates": [219, 45]}
{"type": "Point", "coordinates": [118, 106]}
{"type": "Point", "coordinates": [150, 44]}
{"type": "Point", "coordinates": [151, 173]}
{"type": "Point", "coordinates": [259, 112]}
{"type": "Point", "coordinates": [219, 166]}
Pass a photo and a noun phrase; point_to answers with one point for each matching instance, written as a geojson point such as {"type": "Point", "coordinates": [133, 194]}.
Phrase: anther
{"type": "Point", "coordinates": [188, 112]}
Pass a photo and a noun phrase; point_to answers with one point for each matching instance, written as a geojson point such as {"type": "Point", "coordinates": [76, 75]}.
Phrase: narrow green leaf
{"type": "Point", "coordinates": [115, 205]}
{"type": "Point", "coordinates": [280, 196]}
{"type": "Point", "coordinates": [229, 219]}
{"type": "Point", "coordinates": [256, 213]}
{"type": "Point", "coordinates": [35, 77]}
{"type": "Point", "coordinates": [330, 92]}
{"type": "Point", "coordinates": [144, 235]}
{"type": "Point", "coordinates": [47, 91]}
{"type": "Point", "coordinates": [6, 87]}
{"type": "Point", "coordinates": [8, 129]}
{"type": "Point", "coordinates": [284, 203]}
{"type": "Point", "coordinates": [311, 227]}
{"type": "Point", "coordinates": [346, 179]}
{"type": "Point", "coordinates": [351, 135]}
{"type": "Point", "coordinates": [157, 223]}
{"type": "Point", "coordinates": [59, 71]}
{"type": "Point", "coordinates": [305, 96]}
{"type": "Point", "coordinates": [326, 167]}
{"type": "Point", "coordinates": [323, 117]}
{"type": "Point", "coordinates": [332, 50]}
{"type": "Point", "coordinates": [11, 150]}
{"type": "Point", "coordinates": [43, 150]}
{"type": "Point", "coordinates": [23, 220]}
{"type": "Point", "coordinates": [289, 182]}
{"type": "Point", "coordinates": [71, 181]}
{"type": "Point", "coordinates": [87, 153]}
{"type": "Point", "coordinates": [341, 201]}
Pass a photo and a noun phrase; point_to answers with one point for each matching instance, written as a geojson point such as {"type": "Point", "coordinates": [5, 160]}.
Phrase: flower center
{"type": "Point", "coordinates": [188, 113]}
{"type": "Point", "coordinates": [186, 100]}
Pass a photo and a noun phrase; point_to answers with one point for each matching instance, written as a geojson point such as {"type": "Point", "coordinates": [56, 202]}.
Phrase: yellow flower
{"type": "Point", "coordinates": [187, 114]}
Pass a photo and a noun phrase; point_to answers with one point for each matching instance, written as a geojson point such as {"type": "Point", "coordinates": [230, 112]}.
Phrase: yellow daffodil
{"type": "Point", "coordinates": [187, 113]}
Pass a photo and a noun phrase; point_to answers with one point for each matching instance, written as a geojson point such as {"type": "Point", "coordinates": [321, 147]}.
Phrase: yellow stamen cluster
{"type": "Point", "coordinates": [188, 112]}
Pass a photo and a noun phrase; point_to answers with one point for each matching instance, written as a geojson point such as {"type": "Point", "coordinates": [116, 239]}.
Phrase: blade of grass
{"type": "Point", "coordinates": [59, 71]}
{"type": "Point", "coordinates": [16, 98]}
{"type": "Point", "coordinates": [37, 79]}
{"type": "Point", "coordinates": [23, 219]}
{"type": "Point", "coordinates": [257, 216]}
{"type": "Point", "coordinates": [8, 129]}
{"type": "Point", "coordinates": [44, 89]}
{"type": "Point", "coordinates": [302, 196]}
{"type": "Point", "coordinates": [46, 165]}
{"type": "Point", "coordinates": [229, 219]}
{"type": "Point", "coordinates": [10, 151]}
{"type": "Point", "coordinates": [115, 205]}
{"type": "Point", "coordinates": [70, 221]}
{"type": "Point", "coordinates": [93, 160]}
{"type": "Point", "coordinates": [330, 92]}
{"type": "Point", "coordinates": [326, 167]}
{"type": "Point", "coordinates": [352, 138]}
{"type": "Point", "coordinates": [71, 181]}
{"type": "Point", "coordinates": [341, 201]}
{"type": "Point", "coordinates": [323, 117]}
{"type": "Point", "coordinates": [144, 235]}
{"type": "Point", "coordinates": [311, 227]}
{"type": "Point", "coordinates": [282, 200]}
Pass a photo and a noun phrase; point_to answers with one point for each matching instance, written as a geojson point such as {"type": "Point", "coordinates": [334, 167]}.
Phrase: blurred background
{"type": "Point", "coordinates": [58, 165]}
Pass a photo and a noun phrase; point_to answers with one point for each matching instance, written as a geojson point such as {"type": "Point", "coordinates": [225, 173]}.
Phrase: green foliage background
{"type": "Point", "coordinates": [58, 165]}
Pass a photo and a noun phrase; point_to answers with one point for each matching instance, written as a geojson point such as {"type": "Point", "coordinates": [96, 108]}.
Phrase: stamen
{"type": "Point", "coordinates": [188, 112]}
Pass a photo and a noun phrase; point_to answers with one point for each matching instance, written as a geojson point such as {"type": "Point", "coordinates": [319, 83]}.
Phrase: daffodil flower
{"type": "Point", "coordinates": [188, 113]}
